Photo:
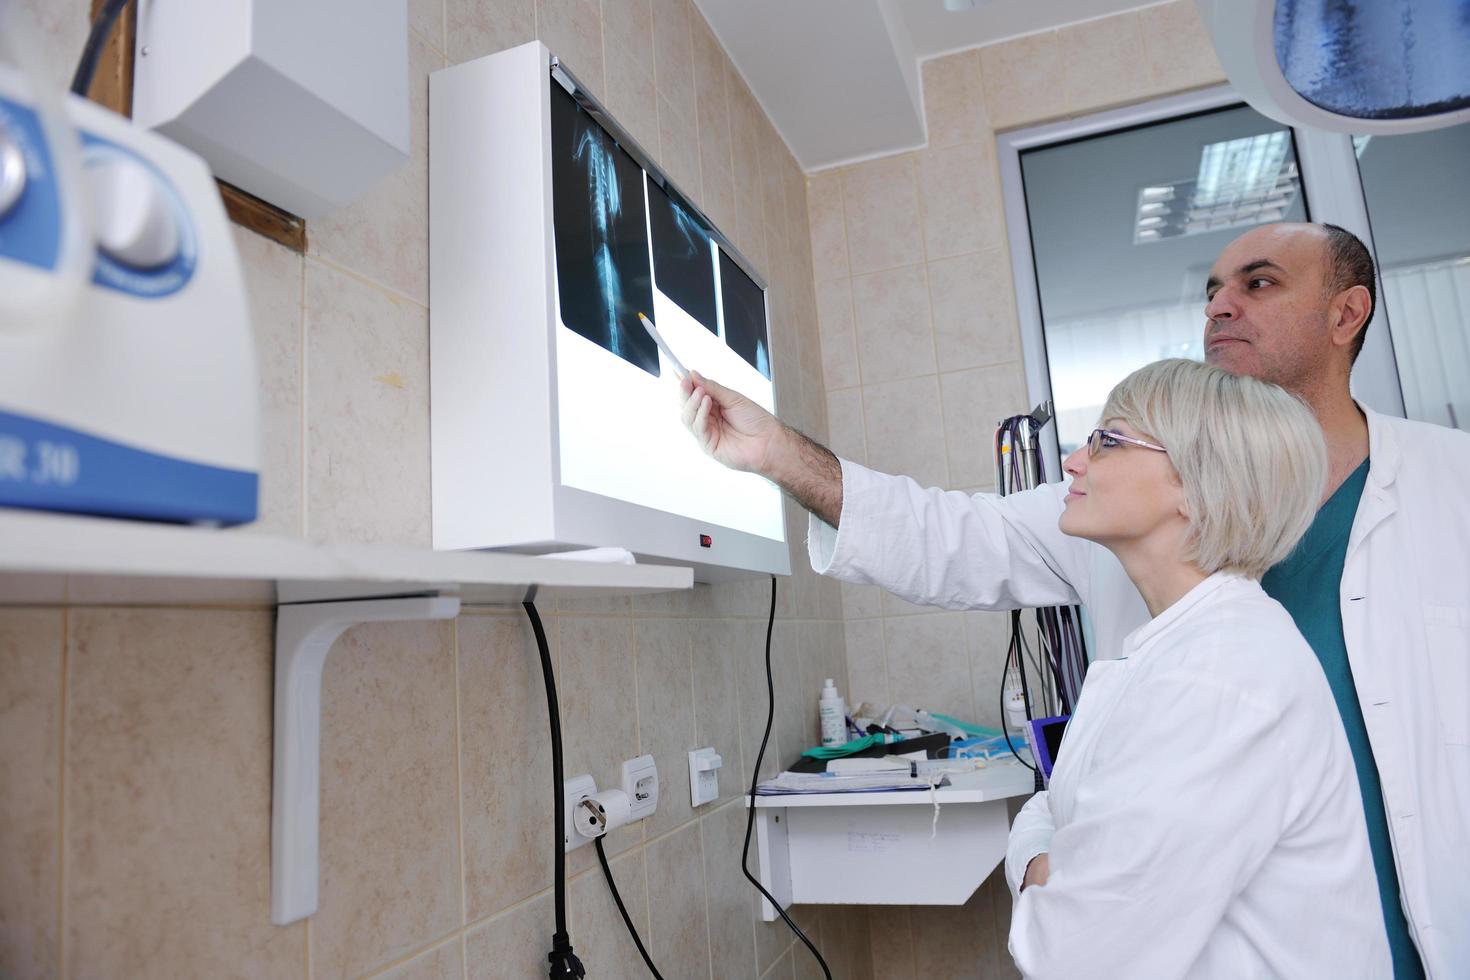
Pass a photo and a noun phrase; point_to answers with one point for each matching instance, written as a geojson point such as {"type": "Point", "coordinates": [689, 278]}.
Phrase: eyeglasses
{"type": "Point", "coordinates": [1108, 439]}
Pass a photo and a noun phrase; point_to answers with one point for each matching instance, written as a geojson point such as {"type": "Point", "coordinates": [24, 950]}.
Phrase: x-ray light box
{"type": "Point", "coordinates": [554, 415]}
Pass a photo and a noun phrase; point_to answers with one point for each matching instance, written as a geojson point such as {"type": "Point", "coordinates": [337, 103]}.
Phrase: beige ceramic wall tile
{"type": "Point", "coordinates": [718, 648]}
{"type": "Point", "coordinates": [881, 205]}
{"type": "Point", "coordinates": [891, 943]}
{"type": "Point", "coordinates": [673, 56]}
{"type": "Point", "coordinates": [867, 664]}
{"type": "Point", "coordinates": [974, 402]}
{"type": "Point", "coordinates": [860, 601]}
{"type": "Point", "coordinates": [750, 217]}
{"type": "Point", "coordinates": [631, 96]}
{"type": "Point", "coordinates": [891, 313]}
{"type": "Point", "coordinates": [513, 946]}
{"type": "Point", "coordinates": [426, 18]}
{"type": "Point", "coordinates": [732, 941]}
{"type": "Point", "coordinates": [1103, 63]}
{"type": "Point", "coordinates": [390, 862]}
{"type": "Point", "coordinates": [828, 227]}
{"type": "Point", "coordinates": [1178, 47]}
{"type": "Point", "coordinates": [948, 941]}
{"type": "Point", "coordinates": [752, 702]}
{"type": "Point", "coordinates": [273, 284]}
{"type": "Point", "coordinates": [474, 28]}
{"type": "Point", "coordinates": [974, 310]}
{"type": "Point", "coordinates": [986, 636]}
{"type": "Point", "coordinates": [839, 346]}
{"type": "Point", "coordinates": [598, 932]}
{"type": "Point", "coordinates": [793, 691]}
{"type": "Point", "coordinates": [30, 791]}
{"type": "Point", "coordinates": [773, 940]}
{"type": "Point", "coordinates": [960, 190]}
{"type": "Point", "coordinates": [1023, 80]}
{"type": "Point", "coordinates": [678, 932]}
{"type": "Point", "coordinates": [504, 758]}
{"type": "Point", "coordinates": [629, 25]}
{"type": "Point", "coordinates": [384, 235]}
{"type": "Point", "coordinates": [168, 778]}
{"type": "Point", "coordinates": [443, 962]}
{"type": "Point", "coordinates": [666, 714]}
{"type": "Point", "coordinates": [845, 429]}
{"type": "Point", "coordinates": [367, 411]}
{"type": "Point", "coordinates": [54, 35]}
{"type": "Point", "coordinates": [905, 430]}
{"type": "Point", "coordinates": [679, 149]}
{"type": "Point", "coordinates": [719, 195]}
{"type": "Point", "coordinates": [929, 664]}
{"type": "Point", "coordinates": [711, 109]}
{"type": "Point", "coordinates": [954, 99]}
{"type": "Point", "coordinates": [572, 29]}
{"type": "Point", "coordinates": [597, 686]}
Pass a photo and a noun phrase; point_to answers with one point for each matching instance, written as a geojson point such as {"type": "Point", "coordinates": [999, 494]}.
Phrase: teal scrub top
{"type": "Point", "coordinates": [1307, 583]}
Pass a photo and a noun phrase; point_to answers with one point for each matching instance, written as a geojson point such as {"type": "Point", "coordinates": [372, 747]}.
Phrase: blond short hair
{"type": "Point", "coordinates": [1250, 456]}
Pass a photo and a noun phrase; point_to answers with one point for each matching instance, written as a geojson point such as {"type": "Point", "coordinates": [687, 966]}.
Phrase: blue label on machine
{"type": "Point", "coordinates": [31, 231]}
{"type": "Point", "coordinates": [51, 467]}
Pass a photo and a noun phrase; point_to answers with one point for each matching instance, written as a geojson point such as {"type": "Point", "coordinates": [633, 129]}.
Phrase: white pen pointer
{"type": "Point", "coordinates": [679, 369]}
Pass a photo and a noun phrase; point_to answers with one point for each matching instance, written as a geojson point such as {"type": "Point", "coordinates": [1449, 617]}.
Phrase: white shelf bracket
{"type": "Point", "coordinates": [305, 633]}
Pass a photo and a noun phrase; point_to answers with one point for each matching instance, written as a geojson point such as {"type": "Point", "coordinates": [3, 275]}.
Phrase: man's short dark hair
{"type": "Point", "coordinates": [1349, 264]}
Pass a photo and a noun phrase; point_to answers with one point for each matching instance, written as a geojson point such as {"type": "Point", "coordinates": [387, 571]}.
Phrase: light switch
{"type": "Point", "coordinates": [704, 775]}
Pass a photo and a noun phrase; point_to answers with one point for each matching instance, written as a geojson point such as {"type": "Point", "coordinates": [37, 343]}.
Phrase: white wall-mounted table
{"type": "Point", "coordinates": [877, 848]}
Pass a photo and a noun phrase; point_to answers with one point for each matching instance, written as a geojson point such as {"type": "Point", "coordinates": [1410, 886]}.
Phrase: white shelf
{"type": "Point", "coordinates": [887, 848]}
{"type": "Point", "coordinates": [998, 781]}
{"type": "Point", "coordinates": [51, 558]}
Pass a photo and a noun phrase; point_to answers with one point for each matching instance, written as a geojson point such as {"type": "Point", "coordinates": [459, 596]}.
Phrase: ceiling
{"type": "Point", "coordinates": [840, 78]}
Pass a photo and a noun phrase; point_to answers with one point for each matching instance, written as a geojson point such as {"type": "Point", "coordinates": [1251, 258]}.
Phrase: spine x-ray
{"type": "Point", "coordinates": [602, 268]}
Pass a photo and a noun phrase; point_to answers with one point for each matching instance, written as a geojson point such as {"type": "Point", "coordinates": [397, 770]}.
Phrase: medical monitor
{"type": "Point", "coordinates": [554, 416]}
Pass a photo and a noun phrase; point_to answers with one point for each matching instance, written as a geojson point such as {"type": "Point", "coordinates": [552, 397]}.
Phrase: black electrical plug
{"type": "Point", "coordinates": [564, 962]}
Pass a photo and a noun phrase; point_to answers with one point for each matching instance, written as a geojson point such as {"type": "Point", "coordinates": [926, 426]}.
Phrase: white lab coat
{"type": "Point", "coordinates": [1203, 811]}
{"type": "Point", "coordinates": [1405, 597]}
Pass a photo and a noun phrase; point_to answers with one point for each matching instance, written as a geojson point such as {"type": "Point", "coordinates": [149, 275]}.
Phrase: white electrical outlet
{"type": "Point", "coordinates": [640, 782]}
{"type": "Point", "coordinates": [704, 775]}
{"type": "Point", "coordinates": [575, 790]}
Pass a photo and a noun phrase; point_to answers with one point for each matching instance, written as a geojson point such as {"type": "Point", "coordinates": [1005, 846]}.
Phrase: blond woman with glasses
{"type": "Point", "coordinates": [1203, 818]}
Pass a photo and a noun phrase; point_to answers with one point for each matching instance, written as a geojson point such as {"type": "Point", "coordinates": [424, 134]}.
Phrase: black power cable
{"type": "Point", "coordinates": [613, 887]}
{"type": "Point", "coordinates": [92, 52]}
{"type": "Point", "coordinates": [755, 776]}
{"type": "Point", "coordinates": [564, 962]}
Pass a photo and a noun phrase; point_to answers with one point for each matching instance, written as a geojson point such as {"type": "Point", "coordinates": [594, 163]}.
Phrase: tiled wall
{"type": "Point", "coordinates": [921, 353]}
{"type": "Point", "coordinates": [135, 776]}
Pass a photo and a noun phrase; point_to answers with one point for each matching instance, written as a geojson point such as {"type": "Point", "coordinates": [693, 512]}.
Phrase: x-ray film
{"type": "Point", "coordinates": [683, 257]}
{"type": "Point", "coordinates": [602, 266]}
{"type": "Point", "coordinates": [745, 316]}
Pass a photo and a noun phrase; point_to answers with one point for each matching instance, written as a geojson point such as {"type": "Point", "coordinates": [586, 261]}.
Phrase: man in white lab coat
{"type": "Point", "coordinates": [1380, 587]}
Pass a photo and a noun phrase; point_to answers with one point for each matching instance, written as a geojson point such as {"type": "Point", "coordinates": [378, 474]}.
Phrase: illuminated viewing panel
{"type": "Point", "coordinates": [621, 434]}
{"type": "Point", "coordinates": [550, 232]}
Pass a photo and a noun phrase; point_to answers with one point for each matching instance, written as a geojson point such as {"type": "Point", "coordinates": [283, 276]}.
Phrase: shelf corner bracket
{"type": "Point", "coordinates": [305, 633]}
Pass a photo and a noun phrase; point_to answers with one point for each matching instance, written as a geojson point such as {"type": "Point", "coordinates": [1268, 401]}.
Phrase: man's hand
{"type": "Point", "coordinates": [1037, 871]}
{"type": "Point", "coordinates": [728, 426]}
{"type": "Point", "coordinates": [740, 434]}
